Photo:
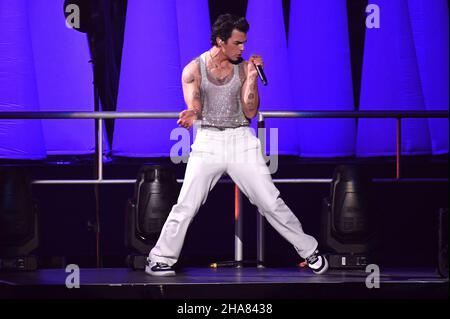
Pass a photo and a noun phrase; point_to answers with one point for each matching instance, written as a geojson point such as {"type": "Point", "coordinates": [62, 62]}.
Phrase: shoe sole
{"type": "Point", "coordinates": [169, 273]}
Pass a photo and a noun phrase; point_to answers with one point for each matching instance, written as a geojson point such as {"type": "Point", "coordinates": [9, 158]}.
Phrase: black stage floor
{"type": "Point", "coordinates": [225, 283]}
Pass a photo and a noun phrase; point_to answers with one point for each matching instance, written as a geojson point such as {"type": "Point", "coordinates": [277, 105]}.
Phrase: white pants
{"type": "Point", "coordinates": [236, 152]}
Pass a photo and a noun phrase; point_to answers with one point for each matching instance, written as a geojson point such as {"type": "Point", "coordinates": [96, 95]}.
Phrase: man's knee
{"type": "Point", "coordinates": [184, 210]}
{"type": "Point", "coordinates": [269, 205]}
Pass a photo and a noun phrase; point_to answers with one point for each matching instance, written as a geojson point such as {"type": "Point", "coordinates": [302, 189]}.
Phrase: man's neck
{"type": "Point", "coordinates": [218, 56]}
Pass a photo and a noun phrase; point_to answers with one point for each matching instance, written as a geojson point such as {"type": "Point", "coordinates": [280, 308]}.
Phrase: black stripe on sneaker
{"type": "Point", "coordinates": [321, 266]}
{"type": "Point", "coordinates": [161, 267]}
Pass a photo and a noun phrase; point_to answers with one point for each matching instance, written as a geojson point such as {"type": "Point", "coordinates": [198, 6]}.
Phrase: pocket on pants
{"type": "Point", "coordinates": [250, 143]}
{"type": "Point", "coordinates": [205, 150]}
{"type": "Point", "coordinates": [201, 148]}
{"type": "Point", "coordinates": [247, 150]}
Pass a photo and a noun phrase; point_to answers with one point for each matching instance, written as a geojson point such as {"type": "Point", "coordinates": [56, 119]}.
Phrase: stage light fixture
{"type": "Point", "coordinates": [347, 224]}
{"type": "Point", "coordinates": [18, 221]}
{"type": "Point", "coordinates": [156, 191]}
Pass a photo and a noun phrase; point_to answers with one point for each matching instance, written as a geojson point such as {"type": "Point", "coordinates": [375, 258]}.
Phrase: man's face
{"type": "Point", "coordinates": [234, 46]}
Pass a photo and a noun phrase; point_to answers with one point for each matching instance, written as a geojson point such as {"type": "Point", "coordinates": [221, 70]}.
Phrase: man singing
{"type": "Point", "coordinates": [221, 94]}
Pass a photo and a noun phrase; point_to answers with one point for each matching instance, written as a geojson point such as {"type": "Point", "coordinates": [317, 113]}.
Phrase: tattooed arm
{"type": "Point", "coordinates": [191, 91]}
{"type": "Point", "coordinates": [249, 90]}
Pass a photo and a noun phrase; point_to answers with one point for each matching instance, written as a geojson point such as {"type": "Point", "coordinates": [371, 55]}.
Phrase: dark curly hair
{"type": "Point", "coordinates": [224, 26]}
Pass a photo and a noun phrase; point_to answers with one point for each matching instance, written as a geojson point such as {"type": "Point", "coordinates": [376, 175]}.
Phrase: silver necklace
{"type": "Point", "coordinates": [218, 79]}
{"type": "Point", "coordinates": [212, 60]}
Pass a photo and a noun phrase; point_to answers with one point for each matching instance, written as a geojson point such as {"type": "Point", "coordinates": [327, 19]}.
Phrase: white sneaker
{"type": "Point", "coordinates": [159, 269]}
{"type": "Point", "coordinates": [317, 263]}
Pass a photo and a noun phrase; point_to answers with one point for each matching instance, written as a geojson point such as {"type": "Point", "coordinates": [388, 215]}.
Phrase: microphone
{"type": "Point", "coordinates": [261, 74]}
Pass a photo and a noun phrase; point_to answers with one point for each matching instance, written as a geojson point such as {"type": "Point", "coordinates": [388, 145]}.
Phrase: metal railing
{"type": "Point", "coordinates": [101, 116]}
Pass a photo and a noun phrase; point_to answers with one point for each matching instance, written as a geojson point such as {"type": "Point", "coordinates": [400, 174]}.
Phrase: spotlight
{"type": "Point", "coordinates": [18, 221]}
{"type": "Point", "coordinates": [443, 243]}
{"type": "Point", "coordinates": [347, 227]}
{"type": "Point", "coordinates": [156, 191]}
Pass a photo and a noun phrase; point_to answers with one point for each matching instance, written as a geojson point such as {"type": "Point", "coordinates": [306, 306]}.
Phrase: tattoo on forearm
{"type": "Point", "coordinates": [196, 95]}
{"type": "Point", "coordinates": [250, 96]}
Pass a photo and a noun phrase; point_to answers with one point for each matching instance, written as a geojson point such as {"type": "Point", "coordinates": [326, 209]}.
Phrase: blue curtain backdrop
{"type": "Point", "coordinates": [267, 37]}
{"type": "Point", "coordinates": [19, 139]}
{"type": "Point", "coordinates": [44, 66]}
{"type": "Point", "coordinates": [63, 76]}
{"type": "Point", "coordinates": [319, 57]}
{"type": "Point", "coordinates": [193, 29]}
{"type": "Point", "coordinates": [150, 78]}
{"type": "Point", "coordinates": [429, 21]}
{"type": "Point", "coordinates": [391, 81]}
{"type": "Point", "coordinates": [193, 37]}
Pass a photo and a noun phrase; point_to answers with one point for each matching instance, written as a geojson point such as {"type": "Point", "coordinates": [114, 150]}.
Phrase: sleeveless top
{"type": "Point", "coordinates": [221, 104]}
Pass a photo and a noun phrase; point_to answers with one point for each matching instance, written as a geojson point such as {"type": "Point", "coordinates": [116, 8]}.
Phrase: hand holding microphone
{"type": "Point", "coordinates": [256, 65]}
{"type": "Point", "coordinates": [261, 74]}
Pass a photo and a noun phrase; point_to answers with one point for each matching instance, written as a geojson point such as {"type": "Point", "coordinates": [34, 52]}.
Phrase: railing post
{"type": "Point", "coordinates": [260, 222]}
{"type": "Point", "coordinates": [238, 227]}
{"type": "Point", "coordinates": [99, 169]}
{"type": "Point", "coordinates": [398, 147]}
{"type": "Point", "coordinates": [100, 150]}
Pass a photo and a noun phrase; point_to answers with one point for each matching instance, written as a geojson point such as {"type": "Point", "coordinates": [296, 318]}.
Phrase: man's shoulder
{"type": "Point", "coordinates": [243, 67]}
{"type": "Point", "coordinates": [192, 66]}
{"type": "Point", "coordinates": [243, 62]}
{"type": "Point", "coordinates": [195, 62]}
{"type": "Point", "coordinates": [191, 71]}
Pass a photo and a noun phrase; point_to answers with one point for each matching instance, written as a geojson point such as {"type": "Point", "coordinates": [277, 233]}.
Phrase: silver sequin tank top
{"type": "Point", "coordinates": [222, 106]}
